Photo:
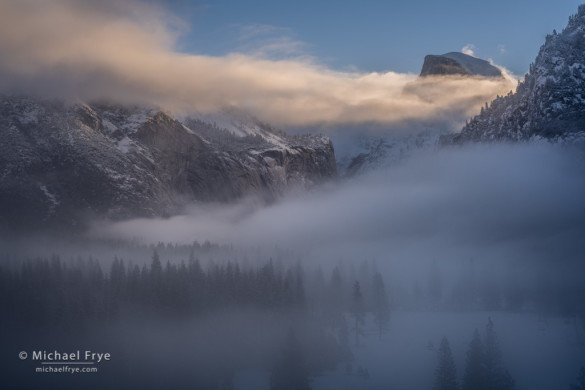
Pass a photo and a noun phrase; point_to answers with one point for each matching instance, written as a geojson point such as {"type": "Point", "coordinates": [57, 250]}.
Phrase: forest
{"type": "Point", "coordinates": [278, 315]}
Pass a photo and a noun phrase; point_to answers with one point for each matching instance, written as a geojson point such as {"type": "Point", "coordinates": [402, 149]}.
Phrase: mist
{"type": "Point", "coordinates": [484, 200]}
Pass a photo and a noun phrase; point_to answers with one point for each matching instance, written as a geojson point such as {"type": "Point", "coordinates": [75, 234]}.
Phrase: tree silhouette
{"type": "Point", "coordinates": [474, 376]}
{"type": "Point", "coordinates": [496, 376]}
{"type": "Point", "coordinates": [357, 312]}
{"type": "Point", "coordinates": [445, 374]}
{"type": "Point", "coordinates": [484, 369]}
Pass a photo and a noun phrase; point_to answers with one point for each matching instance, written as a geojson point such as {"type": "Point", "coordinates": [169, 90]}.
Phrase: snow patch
{"type": "Point", "coordinates": [53, 201]}
{"type": "Point", "coordinates": [30, 116]}
{"type": "Point", "coordinates": [124, 145]}
{"type": "Point", "coordinates": [108, 126]}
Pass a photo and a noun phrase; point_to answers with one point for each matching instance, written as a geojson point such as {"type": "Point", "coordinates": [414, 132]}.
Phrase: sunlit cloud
{"type": "Point", "coordinates": [126, 52]}
{"type": "Point", "coordinates": [468, 49]}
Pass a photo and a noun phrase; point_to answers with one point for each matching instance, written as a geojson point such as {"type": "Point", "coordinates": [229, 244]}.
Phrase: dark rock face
{"type": "Point", "coordinates": [439, 65]}
{"type": "Point", "coordinates": [548, 104]}
{"type": "Point", "coordinates": [63, 163]}
{"type": "Point", "coordinates": [458, 64]}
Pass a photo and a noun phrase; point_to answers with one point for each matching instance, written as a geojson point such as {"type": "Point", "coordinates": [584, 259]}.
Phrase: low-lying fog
{"type": "Point", "coordinates": [497, 202]}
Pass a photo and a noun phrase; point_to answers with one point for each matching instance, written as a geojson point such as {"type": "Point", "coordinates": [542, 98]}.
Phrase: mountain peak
{"type": "Point", "coordinates": [455, 63]}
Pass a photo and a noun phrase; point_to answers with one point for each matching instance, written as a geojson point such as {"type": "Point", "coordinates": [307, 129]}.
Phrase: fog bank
{"type": "Point", "coordinates": [495, 201]}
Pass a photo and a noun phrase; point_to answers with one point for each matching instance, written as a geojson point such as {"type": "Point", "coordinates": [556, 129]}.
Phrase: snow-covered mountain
{"type": "Point", "coordinates": [549, 103]}
{"type": "Point", "coordinates": [455, 63]}
{"type": "Point", "coordinates": [368, 151]}
{"type": "Point", "coordinates": [62, 162]}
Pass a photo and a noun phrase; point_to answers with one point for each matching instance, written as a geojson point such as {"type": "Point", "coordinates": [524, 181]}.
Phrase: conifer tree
{"type": "Point", "coordinates": [484, 369]}
{"type": "Point", "coordinates": [474, 376]}
{"type": "Point", "coordinates": [492, 356]}
{"type": "Point", "coordinates": [496, 376]}
{"type": "Point", "coordinates": [357, 311]}
{"type": "Point", "coordinates": [446, 373]}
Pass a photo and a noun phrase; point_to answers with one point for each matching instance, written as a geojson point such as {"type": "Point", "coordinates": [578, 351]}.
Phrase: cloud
{"type": "Point", "coordinates": [125, 51]}
{"type": "Point", "coordinates": [508, 74]}
{"type": "Point", "coordinates": [468, 49]}
{"type": "Point", "coordinates": [271, 42]}
{"type": "Point", "coordinates": [254, 30]}
{"type": "Point", "coordinates": [502, 49]}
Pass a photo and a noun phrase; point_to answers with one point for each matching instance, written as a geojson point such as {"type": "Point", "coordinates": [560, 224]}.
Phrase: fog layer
{"type": "Point", "coordinates": [497, 202]}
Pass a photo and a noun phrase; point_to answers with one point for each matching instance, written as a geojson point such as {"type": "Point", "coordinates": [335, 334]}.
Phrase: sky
{"type": "Point", "coordinates": [289, 64]}
{"type": "Point", "coordinates": [373, 35]}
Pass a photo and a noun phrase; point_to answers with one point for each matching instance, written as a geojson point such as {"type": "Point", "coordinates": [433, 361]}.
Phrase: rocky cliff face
{"type": "Point", "coordinates": [549, 103]}
{"type": "Point", "coordinates": [63, 163]}
{"type": "Point", "coordinates": [458, 64]}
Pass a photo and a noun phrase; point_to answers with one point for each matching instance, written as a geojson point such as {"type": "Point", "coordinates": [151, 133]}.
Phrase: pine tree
{"type": "Point", "coordinates": [484, 369]}
{"type": "Point", "coordinates": [474, 377]}
{"type": "Point", "coordinates": [446, 373]}
{"type": "Point", "coordinates": [154, 288]}
{"type": "Point", "coordinates": [496, 376]}
{"type": "Point", "coordinates": [357, 311]}
{"type": "Point", "coordinates": [492, 356]}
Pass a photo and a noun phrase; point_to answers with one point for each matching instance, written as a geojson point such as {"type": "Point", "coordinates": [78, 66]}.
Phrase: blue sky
{"type": "Point", "coordinates": [372, 35]}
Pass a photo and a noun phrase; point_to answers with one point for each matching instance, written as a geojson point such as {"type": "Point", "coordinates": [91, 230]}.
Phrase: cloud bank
{"type": "Point", "coordinates": [125, 51]}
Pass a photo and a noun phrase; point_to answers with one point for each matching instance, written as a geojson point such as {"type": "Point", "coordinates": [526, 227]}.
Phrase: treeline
{"type": "Point", "coordinates": [484, 368]}
{"type": "Point", "coordinates": [80, 297]}
{"type": "Point", "coordinates": [52, 292]}
{"type": "Point", "coordinates": [48, 292]}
